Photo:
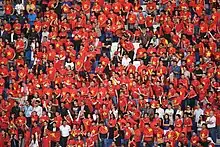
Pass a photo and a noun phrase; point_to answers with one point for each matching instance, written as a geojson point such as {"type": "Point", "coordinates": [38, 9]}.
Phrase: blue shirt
{"type": "Point", "coordinates": [28, 55]}
{"type": "Point", "coordinates": [32, 18]}
{"type": "Point", "coordinates": [28, 111]}
{"type": "Point", "coordinates": [68, 3]}
{"type": "Point", "coordinates": [177, 71]}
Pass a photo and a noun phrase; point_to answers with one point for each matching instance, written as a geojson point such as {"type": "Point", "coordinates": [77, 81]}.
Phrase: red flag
{"type": "Point", "coordinates": [55, 136]}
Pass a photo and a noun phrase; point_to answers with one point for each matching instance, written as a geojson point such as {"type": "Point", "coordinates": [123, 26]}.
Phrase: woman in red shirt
{"type": "Point", "coordinates": [191, 97]}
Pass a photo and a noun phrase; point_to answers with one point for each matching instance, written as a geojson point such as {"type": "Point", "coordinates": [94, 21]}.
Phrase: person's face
{"type": "Point", "coordinates": [169, 106]}
{"type": "Point", "coordinates": [20, 114]}
{"type": "Point", "coordinates": [146, 126]}
{"type": "Point", "coordinates": [64, 123]}
{"type": "Point", "coordinates": [200, 117]}
{"type": "Point", "coordinates": [211, 113]}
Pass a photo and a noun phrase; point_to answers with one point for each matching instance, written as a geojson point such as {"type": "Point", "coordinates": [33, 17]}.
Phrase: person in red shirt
{"type": "Point", "coordinates": [46, 141]}
{"type": "Point", "coordinates": [21, 121]}
{"type": "Point", "coordinates": [116, 7]}
{"type": "Point", "coordinates": [194, 139]}
{"type": "Point", "coordinates": [127, 7]}
{"type": "Point", "coordinates": [171, 136]}
{"type": "Point", "coordinates": [129, 48]}
{"type": "Point", "coordinates": [183, 139]}
{"type": "Point", "coordinates": [159, 133]}
{"type": "Point", "coordinates": [151, 6]}
{"type": "Point", "coordinates": [147, 135]}
{"type": "Point", "coordinates": [137, 134]}
{"type": "Point", "coordinates": [8, 9]}
{"type": "Point", "coordinates": [86, 37]}
{"type": "Point", "coordinates": [203, 29]}
{"type": "Point", "coordinates": [86, 6]}
{"type": "Point", "coordinates": [103, 131]}
{"type": "Point", "coordinates": [132, 19]}
{"type": "Point", "coordinates": [178, 123]}
{"type": "Point", "coordinates": [204, 134]}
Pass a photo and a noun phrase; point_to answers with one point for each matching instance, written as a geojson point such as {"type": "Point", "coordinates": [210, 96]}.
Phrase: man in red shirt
{"type": "Point", "coordinates": [125, 97]}
{"type": "Point", "coordinates": [8, 10]}
{"type": "Point", "coordinates": [147, 135]}
{"type": "Point", "coordinates": [132, 19]}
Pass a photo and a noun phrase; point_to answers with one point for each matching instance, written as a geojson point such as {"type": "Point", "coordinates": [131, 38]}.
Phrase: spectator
{"type": "Point", "coordinates": [119, 73]}
{"type": "Point", "coordinates": [160, 111]}
{"type": "Point", "coordinates": [14, 141]}
{"type": "Point", "coordinates": [170, 112]}
{"type": "Point", "coordinates": [30, 7]}
{"type": "Point", "coordinates": [198, 113]}
{"type": "Point", "coordinates": [125, 60]}
{"type": "Point", "coordinates": [65, 132]}
{"type": "Point", "coordinates": [19, 7]}
{"type": "Point", "coordinates": [34, 141]}
{"type": "Point", "coordinates": [15, 109]}
{"type": "Point", "coordinates": [31, 17]}
{"type": "Point", "coordinates": [211, 125]}
{"type": "Point", "coordinates": [200, 124]}
{"type": "Point", "coordinates": [37, 108]}
{"type": "Point", "coordinates": [166, 123]}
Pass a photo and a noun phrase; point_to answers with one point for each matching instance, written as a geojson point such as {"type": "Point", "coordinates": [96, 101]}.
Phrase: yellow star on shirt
{"type": "Point", "coordinates": [208, 54]}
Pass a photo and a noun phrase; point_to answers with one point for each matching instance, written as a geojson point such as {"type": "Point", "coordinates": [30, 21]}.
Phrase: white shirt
{"type": "Point", "coordinates": [180, 112]}
{"type": "Point", "coordinates": [211, 122]}
{"type": "Point", "coordinates": [19, 7]}
{"type": "Point", "coordinates": [170, 112]}
{"type": "Point", "coordinates": [155, 41]}
{"type": "Point", "coordinates": [65, 130]}
{"type": "Point", "coordinates": [12, 37]}
{"type": "Point", "coordinates": [25, 42]}
{"type": "Point", "coordinates": [2, 31]}
{"type": "Point", "coordinates": [34, 144]}
{"type": "Point", "coordinates": [198, 113]}
{"type": "Point", "coordinates": [199, 125]}
{"type": "Point", "coordinates": [187, 74]}
{"type": "Point", "coordinates": [125, 61]}
{"type": "Point", "coordinates": [32, 56]}
{"type": "Point", "coordinates": [39, 110]}
{"type": "Point", "coordinates": [44, 34]}
{"type": "Point", "coordinates": [179, 63]}
{"type": "Point", "coordinates": [71, 65]}
{"type": "Point", "coordinates": [160, 111]}
{"type": "Point", "coordinates": [33, 45]}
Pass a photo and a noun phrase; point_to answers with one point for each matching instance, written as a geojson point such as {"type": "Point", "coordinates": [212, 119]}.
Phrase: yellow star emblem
{"type": "Point", "coordinates": [78, 63]}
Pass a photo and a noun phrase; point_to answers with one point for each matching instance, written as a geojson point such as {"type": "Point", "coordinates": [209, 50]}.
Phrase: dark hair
{"type": "Point", "coordinates": [166, 115]}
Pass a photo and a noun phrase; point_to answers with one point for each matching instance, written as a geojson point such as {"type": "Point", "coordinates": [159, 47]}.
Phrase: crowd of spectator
{"type": "Point", "coordinates": [64, 83]}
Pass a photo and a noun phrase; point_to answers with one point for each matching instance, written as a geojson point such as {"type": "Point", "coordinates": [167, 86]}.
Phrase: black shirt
{"type": "Point", "coordinates": [111, 132]}
{"type": "Point", "coordinates": [15, 110]}
{"type": "Point", "coordinates": [198, 73]}
{"type": "Point", "coordinates": [63, 112]}
{"type": "Point", "coordinates": [146, 60]}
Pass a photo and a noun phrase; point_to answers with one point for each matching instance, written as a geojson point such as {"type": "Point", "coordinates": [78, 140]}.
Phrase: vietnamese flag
{"type": "Point", "coordinates": [55, 136]}
{"type": "Point", "coordinates": [10, 53]}
{"type": "Point", "coordinates": [78, 64]}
